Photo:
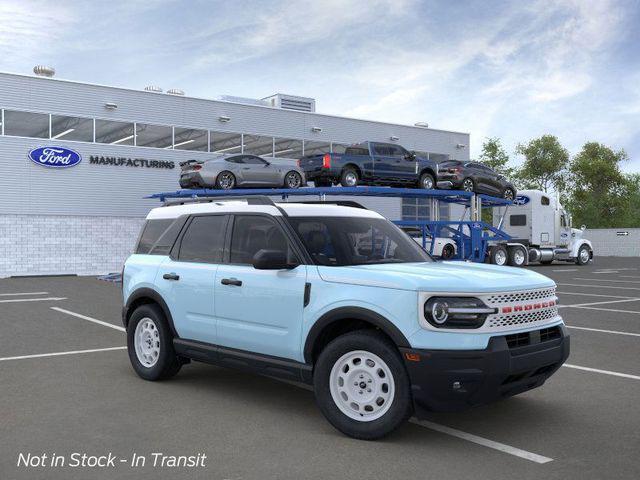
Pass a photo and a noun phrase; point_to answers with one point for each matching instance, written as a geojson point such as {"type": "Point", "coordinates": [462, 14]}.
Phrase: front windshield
{"type": "Point", "coordinates": [345, 241]}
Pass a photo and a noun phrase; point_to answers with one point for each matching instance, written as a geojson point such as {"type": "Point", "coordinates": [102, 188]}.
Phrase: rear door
{"type": "Point", "coordinates": [383, 161]}
{"type": "Point", "coordinates": [259, 310]}
{"type": "Point", "coordinates": [187, 278]}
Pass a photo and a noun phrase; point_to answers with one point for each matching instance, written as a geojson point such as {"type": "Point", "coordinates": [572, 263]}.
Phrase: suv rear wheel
{"type": "Point", "coordinates": [361, 385]}
{"type": "Point", "coordinates": [349, 177]}
{"type": "Point", "coordinates": [150, 344]}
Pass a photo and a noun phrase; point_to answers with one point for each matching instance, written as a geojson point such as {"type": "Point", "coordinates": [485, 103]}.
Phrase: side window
{"type": "Point", "coordinates": [151, 233]}
{"type": "Point", "coordinates": [253, 160]}
{"type": "Point", "coordinates": [396, 151]}
{"type": "Point", "coordinates": [317, 240]}
{"type": "Point", "coordinates": [237, 159]}
{"type": "Point", "coordinates": [545, 200]}
{"type": "Point", "coordinates": [518, 220]}
{"type": "Point", "coordinates": [204, 240]}
{"type": "Point", "coordinates": [252, 233]}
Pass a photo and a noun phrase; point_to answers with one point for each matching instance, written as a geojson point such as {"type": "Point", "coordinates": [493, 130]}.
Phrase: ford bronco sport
{"type": "Point", "coordinates": [340, 298]}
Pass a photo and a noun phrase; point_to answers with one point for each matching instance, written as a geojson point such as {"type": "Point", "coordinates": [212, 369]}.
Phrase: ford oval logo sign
{"type": "Point", "coordinates": [55, 157]}
{"type": "Point", "coordinates": [521, 200]}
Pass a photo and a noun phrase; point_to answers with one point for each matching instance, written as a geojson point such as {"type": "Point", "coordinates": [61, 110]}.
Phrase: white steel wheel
{"type": "Point", "coordinates": [583, 255]}
{"type": "Point", "coordinates": [362, 385]}
{"type": "Point", "coordinates": [147, 342]}
{"type": "Point", "coordinates": [517, 257]}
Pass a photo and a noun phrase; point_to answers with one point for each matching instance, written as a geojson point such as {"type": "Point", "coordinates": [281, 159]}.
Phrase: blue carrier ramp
{"type": "Point", "coordinates": [472, 237]}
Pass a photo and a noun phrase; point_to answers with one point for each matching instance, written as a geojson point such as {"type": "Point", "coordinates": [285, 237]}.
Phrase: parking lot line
{"type": "Point", "coordinates": [593, 295]}
{"type": "Point", "coordinates": [604, 331]}
{"type": "Point", "coordinates": [16, 300]}
{"type": "Point", "coordinates": [606, 372]}
{"type": "Point", "coordinates": [606, 309]}
{"type": "Point", "coordinates": [23, 293]}
{"type": "Point", "coordinates": [57, 354]}
{"type": "Point", "coordinates": [606, 280]}
{"type": "Point", "coordinates": [567, 270]}
{"type": "Point", "coordinates": [597, 286]}
{"type": "Point", "coordinates": [599, 303]}
{"type": "Point", "coordinates": [629, 276]}
{"type": "Point", "coordinates": [533, 457]}
{"type": "Point", "coordinates": [88, 319]}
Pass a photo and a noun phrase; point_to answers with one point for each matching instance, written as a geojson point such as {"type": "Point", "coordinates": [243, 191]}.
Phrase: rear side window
{"type": "Point", "coordinates": [356, 151]}
{"type": "Point", "coordinates": [518, 220]}
{"type": "Point", "coordinates": [545, 200]}
{"type": "Point", "coordinates": [168, 238]}
{"type": "Point", "coordinates": [151, 232]}
{"type": "Point", "coordinates": [203, 241]}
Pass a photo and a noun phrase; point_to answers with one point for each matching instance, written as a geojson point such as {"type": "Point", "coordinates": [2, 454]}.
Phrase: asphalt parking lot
{"type": "Point", "coordinates": [67, 386]}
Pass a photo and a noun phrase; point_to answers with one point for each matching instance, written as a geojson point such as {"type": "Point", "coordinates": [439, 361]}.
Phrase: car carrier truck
{"type": "Point", "coordinates": [541, 232]}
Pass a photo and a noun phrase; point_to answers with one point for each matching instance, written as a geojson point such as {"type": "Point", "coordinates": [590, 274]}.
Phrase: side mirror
{"type": "Point", "coordinates": [583, 227]}
{"type": "Point", "coordinates": [271, 260]}
{"type": "Point", "coordinates": [410, 156]}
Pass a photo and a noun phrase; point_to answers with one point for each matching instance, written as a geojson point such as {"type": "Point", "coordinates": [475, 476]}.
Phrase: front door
{"type": "Point", "coordinates": [257, 171]}
{"type": "Point", "coordinates": [259, 310]}
{"type": "Point", "coordinates": [187, 280]}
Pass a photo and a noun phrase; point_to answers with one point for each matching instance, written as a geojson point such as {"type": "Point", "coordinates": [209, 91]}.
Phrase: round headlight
{"type": "Point", "coordinates": [439, 311]}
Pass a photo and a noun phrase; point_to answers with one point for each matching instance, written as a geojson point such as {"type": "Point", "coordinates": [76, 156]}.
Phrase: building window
{"type": "Point", "coordinates": [26, 124]}
{"type": "Point", "coordinates": [439, 157]}
{"type": "Point", "coordinates": [71, 128]}
{"type": "Point", "coordinates": [419, 209]}
{"type": "Point", "coordinates": [190, 139]}
{"type": "Point", "coordinates": [115, 133]}
{"type": "Point", "coordinates": [316, 148]}
{"type": "Point", "coordinates": [226, 143]}
{"type": "Point", "coordinates": [287, 148]}
{"type": "Point", "coordinates": [157, 136]}
{"type": "Point", "coordinates": [257, 145]}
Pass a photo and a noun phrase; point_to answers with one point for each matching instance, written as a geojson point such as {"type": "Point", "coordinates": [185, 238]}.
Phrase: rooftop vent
{"type": "Point", "coordinates": [153, 88]}
{"type": "Point", "coordinates": [44, 71]}
{"type": "Point", "coordinates": [422, 124]}
{"type": "Point", "coordinates": [292, 102]}
{"type": "Point", "coordinates": [175, 91]}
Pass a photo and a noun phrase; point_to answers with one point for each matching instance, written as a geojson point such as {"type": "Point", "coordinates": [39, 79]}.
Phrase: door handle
{"type": "Point", "coordinates": [231, 281]}
{"type": "Point", "coordinates": [171, 276]}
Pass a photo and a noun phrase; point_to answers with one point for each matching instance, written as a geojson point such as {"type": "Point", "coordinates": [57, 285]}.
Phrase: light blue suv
{"type": "Point", "coordinates": [338, 297]}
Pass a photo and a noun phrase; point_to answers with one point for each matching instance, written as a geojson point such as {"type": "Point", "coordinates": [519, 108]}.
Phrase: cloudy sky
{"type": "Point", "coordinates": [510, 69]}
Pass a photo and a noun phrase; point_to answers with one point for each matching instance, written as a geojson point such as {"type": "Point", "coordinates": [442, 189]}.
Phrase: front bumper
{"type": "Point", "coordinates": [452, 380]}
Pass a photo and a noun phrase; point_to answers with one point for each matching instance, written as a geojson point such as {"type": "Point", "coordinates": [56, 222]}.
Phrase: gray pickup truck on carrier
{"type": "Point", "coordinates": [371, 163]}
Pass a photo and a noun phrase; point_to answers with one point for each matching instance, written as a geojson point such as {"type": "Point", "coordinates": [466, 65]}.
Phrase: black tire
{"type": "Point", "coordinates": [516, 260]}
{"type": "Point", "coordinates": [580, 260]}
{"type": "Point", "coordinates": [168, 363]}
{"type": "Point", "coordinates": [498, 255]}
{"type": "Point", "coordinates": [427, 182]}
{"type": "Point", "coordinates": [509, 194]}
{"type": "Point", "coordinates": [225, 180]}
{"type": "Point", "coordinates": [468, 185]}
{"type": "Point", "coordinates": [448, 252]}
{"type": "Point", "coordinates": [401, 405]}
{"type": "Point", "coordinates": [346, 178]}
{"type": "Point", "coordinates": [322, 182]}
{"type": "Point", "coordinates": [288, 180]}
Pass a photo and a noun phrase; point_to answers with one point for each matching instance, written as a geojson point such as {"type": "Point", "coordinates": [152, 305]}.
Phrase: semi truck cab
{"type": "Point", "coordinates": [540, 223]}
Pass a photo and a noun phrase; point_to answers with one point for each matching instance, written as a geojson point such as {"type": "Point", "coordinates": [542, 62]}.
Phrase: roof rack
{"type": "Point", "coordinates": [251, 200]}
{"type": "Point", "coordinates": [341, 203]}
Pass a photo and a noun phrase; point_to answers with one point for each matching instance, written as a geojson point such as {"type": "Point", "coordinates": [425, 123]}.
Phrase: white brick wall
{"type": "Point", "coordinates": [52, 244]}
{"type": "Point", "coordinates": [615, 242]}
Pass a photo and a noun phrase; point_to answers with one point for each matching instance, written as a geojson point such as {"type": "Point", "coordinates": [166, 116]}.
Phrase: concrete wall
{"type": "Point", "coordinates": [615, 242]}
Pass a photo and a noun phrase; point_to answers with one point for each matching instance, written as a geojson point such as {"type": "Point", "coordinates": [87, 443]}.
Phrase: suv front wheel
{"type": "Point", "coordinates": [150, 344]}
{"type": "Point", "coordinates": [361, 385]}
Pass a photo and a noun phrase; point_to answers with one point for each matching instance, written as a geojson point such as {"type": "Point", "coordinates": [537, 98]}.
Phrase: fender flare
{"type": "Point", "coordinates": [352, 313]}
{"type": "Point", "coordinates": [145, 292]}
{"type": "Point", "coordinates": [580, 243]}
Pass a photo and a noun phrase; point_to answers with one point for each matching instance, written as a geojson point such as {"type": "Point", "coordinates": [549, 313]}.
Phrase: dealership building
{"type": "Point", "coordinates": [85, 218]}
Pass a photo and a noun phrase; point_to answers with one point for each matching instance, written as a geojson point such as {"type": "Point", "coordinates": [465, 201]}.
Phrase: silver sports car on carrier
{"type": "Point", "coordinates": [240, 170]}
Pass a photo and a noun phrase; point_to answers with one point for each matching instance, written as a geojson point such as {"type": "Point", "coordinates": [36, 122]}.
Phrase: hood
{"type": "Point", "coordinates": [453, 276]}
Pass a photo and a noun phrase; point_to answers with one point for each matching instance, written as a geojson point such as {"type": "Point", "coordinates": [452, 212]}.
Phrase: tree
{"type": "Point", "coordinates": [494, 156]}
{"type": "Point", "coordinates": [545, 163]}
{"type": "Point", "coordinates": [600, 194]}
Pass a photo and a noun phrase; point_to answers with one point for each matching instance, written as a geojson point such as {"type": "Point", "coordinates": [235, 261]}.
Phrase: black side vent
{"type": "Point", "coordinates": [550, 333]}
{"type": "Point", "coordinates": [518, 340]}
